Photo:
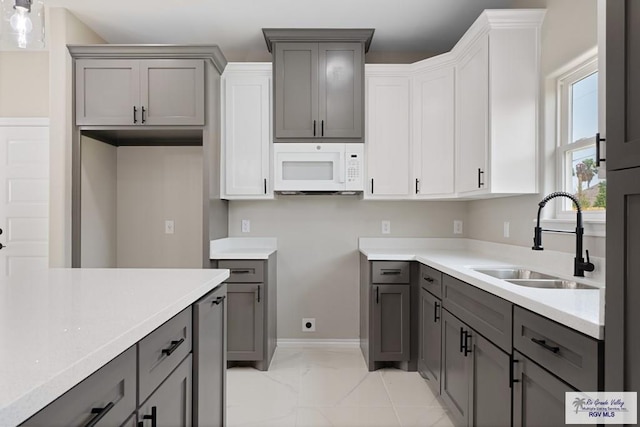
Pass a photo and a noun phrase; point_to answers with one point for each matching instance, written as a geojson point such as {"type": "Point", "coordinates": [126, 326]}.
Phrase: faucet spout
{"type": "Point", "coordinates": [579, 264]}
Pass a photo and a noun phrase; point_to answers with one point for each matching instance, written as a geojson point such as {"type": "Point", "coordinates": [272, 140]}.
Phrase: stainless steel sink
{"type": "Point", "coordinates": [551, 284]}
{"type": "Point", "coordinates": [509, 273]}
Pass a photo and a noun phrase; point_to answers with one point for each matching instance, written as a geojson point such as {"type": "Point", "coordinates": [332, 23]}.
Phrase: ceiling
{"type": "Point", "coordinates": [424, 26]}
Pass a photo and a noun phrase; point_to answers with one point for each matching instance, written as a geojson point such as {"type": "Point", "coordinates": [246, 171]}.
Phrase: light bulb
{"type": "Point", "coordinates": [21, 24]}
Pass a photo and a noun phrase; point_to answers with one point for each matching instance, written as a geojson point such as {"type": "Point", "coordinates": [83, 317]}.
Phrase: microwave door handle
{"type": "Point", "coordinates": [342, 167]}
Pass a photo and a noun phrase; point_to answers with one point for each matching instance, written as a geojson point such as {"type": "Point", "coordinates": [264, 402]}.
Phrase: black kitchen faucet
{"type": "Point", "coordinates": [579, 264]}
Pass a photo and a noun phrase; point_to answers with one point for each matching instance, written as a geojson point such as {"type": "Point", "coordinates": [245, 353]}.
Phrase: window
{"type": "Point", "coordinates": [578, 124]}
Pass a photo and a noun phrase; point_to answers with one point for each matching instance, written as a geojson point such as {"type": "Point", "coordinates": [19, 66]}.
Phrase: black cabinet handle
{"type": "Point", "coordinates": [322, 128]}
{"type": "Point", "coordinates": [417, 185]}
{"type": "Point", "coordinates": [429, 279]}
{"type": "Point", "coordinates": [598, 140]}
{"type": "Point", "coordinates": [512, 376]}
{"type": "Point", "coordinates": [265, 186]}
{"type": "Point", "coordinates": [436, 307]}
{"type": "Point", "coordinates": [371, 185]}
{"type": "Point", "coordinates": [99, 414]}
{"type": "Point", "coordinates": [543, 343]}
{"type": "Point", "coordinates": [390, 272]}
{"type": "Point", "coordinates": [467, 347]}
{"type": "Point", "coordinates": [461, 339]}
{"type": "Point", "coordinates": [143, 111]}
{"type": "Point", "coordinates": [135, 114]}
{"type": "Point", "coordinates": [2, 246]}
{"type": "Point", "coordinates": [377, 295]}
{"type": "Point", "coordinates": [258, 293]}
{"type": "Point", "coordinates": [480, 176]}
{"type": "Point", "coordinates": [314, 128]}
{"type": "Point", "coordinates": [218, 300]}
{"type": "Point", "coordinates": [153, 417]}
{"type": "Point", "coordinates": [238, 271]}
{"type": "Point", "coordinates": [0, 231]}
{"type": "Point", "coordinates": [174, 347]}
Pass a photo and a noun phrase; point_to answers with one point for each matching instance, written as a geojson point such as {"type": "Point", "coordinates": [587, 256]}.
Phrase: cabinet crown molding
{"type": "Point", "coordinates": [362, 35]}
{"type": "Point", "coordinates": [150, 51]}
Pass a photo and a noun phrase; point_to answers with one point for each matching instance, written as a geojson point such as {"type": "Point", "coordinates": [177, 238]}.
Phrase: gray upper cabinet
{"type": "Point", "coordinates": [318, 83]}
{"type": "Point", "coordinates": [128, 92]}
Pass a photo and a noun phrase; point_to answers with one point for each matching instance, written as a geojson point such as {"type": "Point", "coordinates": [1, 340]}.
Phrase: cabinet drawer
{"type": "Point", "coordinates": [431, 280]}
{"type": "Point", "coordinates": [161, 351]}
{"type": "Point", "coordinates": [390, 272]}
{"type": "Point", "coordinates": [567, 353]}
{"type": "Point", "coordinates": [243, 271]}
{"type": "Point", "coordinates": [112, 388]}
{"type": "Point", "coordinates": [488, 314]}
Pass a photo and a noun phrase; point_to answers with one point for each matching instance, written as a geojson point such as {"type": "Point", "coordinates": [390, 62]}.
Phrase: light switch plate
{"type": "Point", "coordinates": [169, 226]}
{"type": "Point", "coordinates": [457, 226]}
{"type": "Point", "coordinates": [246, 226]}
{"type": "Point", "coordinates": [386, 227]}
{"type": "Point", "coordinates": [506, 229]}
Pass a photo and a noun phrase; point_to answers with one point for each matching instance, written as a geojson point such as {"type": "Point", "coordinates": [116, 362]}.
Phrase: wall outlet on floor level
{"type": "Point", "coordinates": [169, 226]}
{"type": "Point", "coordinates": [386, 227]}
{"type": "Point", "coordinates": [309, 325]}
{"type": "Point", "coordinates": [457, 226]}
{"type": "Point", "coordinates": [246, 226]}
{"type": "Point", "coordinates": [506, 229]}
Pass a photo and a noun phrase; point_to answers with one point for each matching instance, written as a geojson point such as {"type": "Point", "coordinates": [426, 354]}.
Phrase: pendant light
{"type": "Point", "coordinates": [22, 24]}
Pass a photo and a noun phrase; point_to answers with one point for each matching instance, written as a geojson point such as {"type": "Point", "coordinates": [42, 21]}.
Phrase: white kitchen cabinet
{"type": "Point", "coordinates": [497, 90]}
{"type": "Point", "coordinates": [433, 131]}
{"type": "Point", "coordinates": [388, 104]}
{"type": "Point", "coordinates": [246, 130]}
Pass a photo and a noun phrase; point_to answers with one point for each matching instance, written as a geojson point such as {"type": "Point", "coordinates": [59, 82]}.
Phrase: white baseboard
{"type": "Point", "coordinates": [318, 343]}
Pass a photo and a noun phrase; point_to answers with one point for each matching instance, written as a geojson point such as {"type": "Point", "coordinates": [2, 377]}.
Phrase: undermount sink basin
{"type": "Point", "coordinates": [532, 279]}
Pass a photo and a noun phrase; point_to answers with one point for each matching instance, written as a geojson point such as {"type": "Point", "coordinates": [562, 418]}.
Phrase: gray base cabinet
{"type": "Point", "coordinates": [391, 322]}
{"type": "Point", "coordinates": [251, 311]}
{"type": "Point", "coordinates": [430, 338]}
{"type": "Point", "coordinates": [456, 369]}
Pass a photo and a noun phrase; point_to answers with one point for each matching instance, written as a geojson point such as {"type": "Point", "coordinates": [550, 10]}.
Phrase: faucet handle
{"type": "Point", "coordinates": [588, 266]}
{"type": "Point", "coordinates": [587, 251]}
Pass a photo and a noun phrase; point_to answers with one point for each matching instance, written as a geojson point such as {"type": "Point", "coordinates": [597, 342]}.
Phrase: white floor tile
{"type": "Point", "coordinates": [408, 388]}
{"type": "Point", "coordinates": [346, 417]}
{"type": "Point", "coordinates": [423, 417]}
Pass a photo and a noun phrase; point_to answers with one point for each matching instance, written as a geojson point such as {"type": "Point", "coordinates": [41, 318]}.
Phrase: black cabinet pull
{"type": "Point", "coordinates": [322, 128]}
{"type": "Point", "coordinates": [467, 346]}
{"type": "Point", "coordinates": [598, 141]}
{"type": "Point", "coordinates": [218, 300]}
{"type": "Point", "coordinates": [2, 246]}
{"type": "Point", "coordinates": [512, 377]}
{"type": "Point", "coordinates": [99, 414]}
{"type": "Point", "coordinates": [135, 114]}
{"type": "Point", "coordinates": [174, 347]}
{"type": "Point", "coordinates": [314, 128]}
{"type": "Point", "coordinates": [390, 272]}
{"type": "Point", "coordinates": [417, 185]}
{"type": "Point", "coordinates": [237, 271]}
{"type": "Point", "coordinates": [258, 293]}
{"type": "Point", "coordinates": [480, 176]}
{"type": "Point", "coordinates": [543, 343]}
{"type": "Point", "coordinates": [461, 339]}
{"type": "Point", "coordinates": [265, 186]}
{"type": "Point", "coordinates": [153, 417]}
{"type": "Point", "coordinates": [377, 295]}
{"type": "Point", "coordinates": [429, 279]}
{"type": "Point", "coordinates": [436, 307]}
{"type": "Point", "coordinates": [143, 111]}
{"type": "Point", "coordinates": [371, 185]}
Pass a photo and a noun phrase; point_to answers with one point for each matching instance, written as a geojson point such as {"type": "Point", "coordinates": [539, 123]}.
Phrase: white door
{"type": "Point", "coordinates": [24, 195]}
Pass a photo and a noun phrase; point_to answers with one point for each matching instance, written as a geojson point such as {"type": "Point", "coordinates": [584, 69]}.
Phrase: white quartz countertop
{"type": "Point", "coordinates": [243, 248]}
{"type": "Point", "coordinates": [59, 326]}
{"type": "Point", "coordinates": [580, 309]}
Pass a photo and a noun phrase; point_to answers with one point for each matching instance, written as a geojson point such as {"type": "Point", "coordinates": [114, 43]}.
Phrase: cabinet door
{"type": "Point", "coordinates": [538, 396]}
{"type": "Point", "coordinates": [170, 404]}
{"type": "Point", "coordinates": [107, 92]}
{"type": "Point", "coordinates": [247, 134]}
{"type": "Point", "coordinates": [472, 118]}
{"type": "Point", "coordinates": [430, 353]}
{"type": "Point", "coordinates": [388, 137]}
{"type": "Point", "coordinates": [491, 384]}
{"type": "Point", "coordinates": [172, 92]}
{"type": "Point", "coordinates": [456, 369]}
{"type": "Point", "coordinates": [245, 321]}
{"type": "Point", "coordinates": [296, 90]}
{"type": "Point", "coordinates": [340, 71]}
{"type": "Point", "coordinates": [623, 84]}
{"type": "Point", "coordinates": [391, 322]}
{"type": "Point", "coordinates": [433, 132]}
{"type": "Point", "coordinates": [210, 359]}
{"type": "Point", "coordinates": [622, 318]}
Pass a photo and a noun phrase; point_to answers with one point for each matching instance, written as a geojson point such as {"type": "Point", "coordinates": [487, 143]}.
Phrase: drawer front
{"type": "Point", "coordinates": [563, 351]}
{"type": "Point", "coordinates": [111, 391]}
{"type": "Point", "coordinates": [243, 271]}
{"type": "Point", "coordinates": [162, 350]}
{"type": "Point", "coordinates": [390, 272]}
{"type": "Point", "coordinates": [431, 280]}
{"type": "Point", "coordinates": [488, 314]}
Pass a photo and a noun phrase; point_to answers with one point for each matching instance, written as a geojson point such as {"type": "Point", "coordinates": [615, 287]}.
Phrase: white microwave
{"type": "Point", "coordinates": [312, 168]}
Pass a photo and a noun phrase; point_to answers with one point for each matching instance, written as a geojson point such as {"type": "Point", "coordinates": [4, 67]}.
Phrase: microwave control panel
{"type": "Point", "coordinates": [354, 164]}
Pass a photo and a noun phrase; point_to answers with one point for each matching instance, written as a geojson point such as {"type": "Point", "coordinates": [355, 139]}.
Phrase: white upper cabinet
{"type": "Point", "coordinates": [497, 85]}
{"type": "Point", "coordinates": [387, 121]}
{"type": "Point", "coordinates": [433, 131]}
{"type": "Point", "coordinates": [246, 131]}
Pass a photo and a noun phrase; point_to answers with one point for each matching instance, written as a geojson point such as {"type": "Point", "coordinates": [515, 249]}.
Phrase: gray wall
{"type": "Point", "coordinates": [99, 203]}
{"type": "Point", "coordinates": [569, 30]}
{"type": "Point", "coordinates": [155, 184]}
{"type": "Point", "coordinates": [318, 251]}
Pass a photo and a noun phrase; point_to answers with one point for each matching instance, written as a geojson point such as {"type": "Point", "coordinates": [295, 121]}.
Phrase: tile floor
{"type": "Point", "coordinates": [329, 387]}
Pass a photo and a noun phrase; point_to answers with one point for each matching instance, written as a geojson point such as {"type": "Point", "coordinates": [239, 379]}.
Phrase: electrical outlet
{"type": "Point", "coordinates": [169, 226]}
{"type": "Point", "coordinates": [246, 226]}
{"type": "Point", "coordinates": [457, 226]}
{"type": "Point", "coordinates": [309, 324]}
{"type": "Point", "coordinates": [386, 227]}
{"type": "Point", "coordinates": [506, 229]}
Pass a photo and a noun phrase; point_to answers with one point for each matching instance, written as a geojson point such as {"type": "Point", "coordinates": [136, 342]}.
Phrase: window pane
{"type": "Point", "coordinates": [584, 102]}
{"type": "Point", "coordinates": [585, 185]}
